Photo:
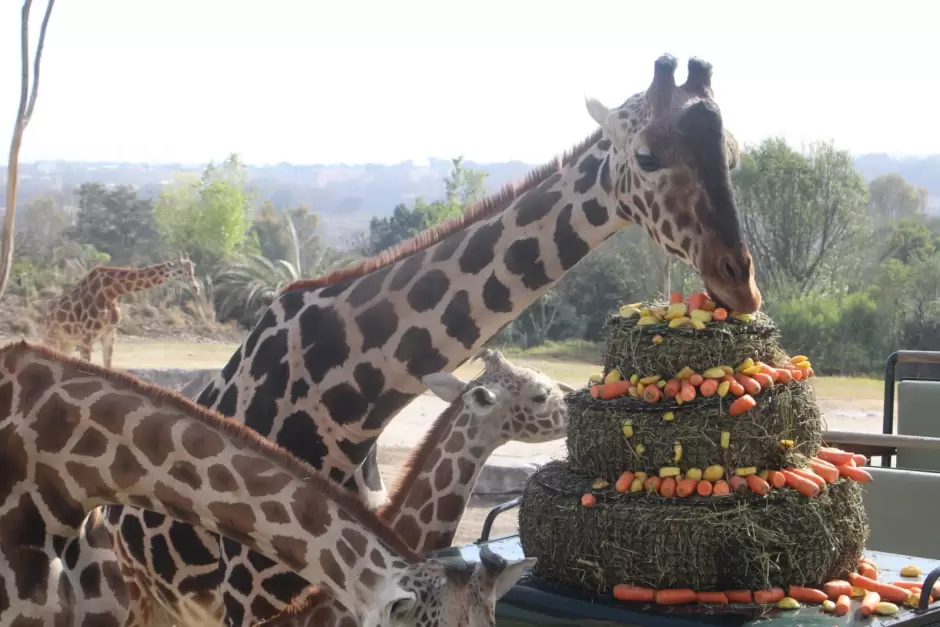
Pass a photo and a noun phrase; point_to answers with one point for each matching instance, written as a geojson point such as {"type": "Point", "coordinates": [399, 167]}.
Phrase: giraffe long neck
{"type": "Point", "coordinates": [426, 506]}
{"type": "Point", "coordinates": [94, 437]}
{"type": "Point", "coordinates": [123, 281]}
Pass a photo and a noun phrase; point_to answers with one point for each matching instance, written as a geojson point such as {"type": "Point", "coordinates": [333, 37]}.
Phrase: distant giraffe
{"type": "Point", "coordinates": [333, 360]}
{"type": "Point", "coordinates": [89, 312]}
{"type": "Point", "coordinates": [75, 435]}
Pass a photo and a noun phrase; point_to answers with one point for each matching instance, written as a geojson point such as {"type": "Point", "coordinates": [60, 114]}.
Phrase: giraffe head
{"type": "Point", "coordinates": [526, 405]}
{"type": "Point", "coordinates": [672, 158]}
{"type": "Point", "coordinates": [183, 271]}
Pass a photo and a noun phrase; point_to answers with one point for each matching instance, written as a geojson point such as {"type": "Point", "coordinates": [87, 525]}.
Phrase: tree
{"type": "Point", "coordinates": [799, 211]}
{"type": "Point", "coordinates": [117, 222]}
{"type": "Point", "coordinates": [271, 230]}
{"type": "Point", "coordinates": [207, 218]}
{"type": "Point", "coordinates": [42, 230]}
{"type": "Point", "coordinates": [891, 198]}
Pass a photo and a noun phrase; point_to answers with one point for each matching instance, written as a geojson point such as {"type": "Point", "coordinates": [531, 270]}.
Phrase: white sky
{"type": "Point", "coordinates": [327, 81]}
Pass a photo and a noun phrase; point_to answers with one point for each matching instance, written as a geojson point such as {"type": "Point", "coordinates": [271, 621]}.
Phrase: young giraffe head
{"type": "Point", "coordinates": [671, 158]}
{"type": "Point", "coordinates": [183, 271]}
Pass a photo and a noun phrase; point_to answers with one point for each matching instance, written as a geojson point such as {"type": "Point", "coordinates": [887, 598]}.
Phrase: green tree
{"type": "Point", "coordinates": [892, 198]}
{"type": "Point", "coordinates": [117, 222]}
{"type": "Point", "coordinates": [272, 233]}
{"type": "Point", "coordinates": [42, 230]}
{"type": "Point", "coordinates": [208, 217]}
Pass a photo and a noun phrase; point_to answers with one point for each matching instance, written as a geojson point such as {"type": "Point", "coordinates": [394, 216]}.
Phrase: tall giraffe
{"type": "Point", "coordinates": [89, 312]}
{"type": "Point", "coordinates": [503, 403]}
{"type": "Point", "coordinates": [76, 435]}
{"type": "Point", "coordinates": [333, 360]}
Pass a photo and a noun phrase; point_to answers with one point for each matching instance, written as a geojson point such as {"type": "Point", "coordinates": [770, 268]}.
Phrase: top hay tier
{"type": "Point", "coordinates": [637, 344]}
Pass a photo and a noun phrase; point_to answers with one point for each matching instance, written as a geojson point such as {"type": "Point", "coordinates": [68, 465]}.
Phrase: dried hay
{"type": "Point", "coordinates": [704, 543]}
{"type": "Point", "coordinates": [597, 445]}
{"type": "Point", "coordinates": [631, 348]}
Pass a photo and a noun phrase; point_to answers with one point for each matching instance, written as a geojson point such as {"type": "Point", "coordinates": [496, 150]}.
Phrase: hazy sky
{"type": "Point", "coordinates": [385, 81]}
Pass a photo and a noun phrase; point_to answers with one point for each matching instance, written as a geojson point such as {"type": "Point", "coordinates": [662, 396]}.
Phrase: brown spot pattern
{"type": "Point", "coordinates": [202, 442]}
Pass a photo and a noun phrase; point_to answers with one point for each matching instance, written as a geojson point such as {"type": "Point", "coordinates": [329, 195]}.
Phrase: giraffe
{"type": "Point", "coordinates": [89, 312]}
{"type": "Point", "coordinates": [334, 359]}
{"type": "Point", "coordinates": [76, 435]}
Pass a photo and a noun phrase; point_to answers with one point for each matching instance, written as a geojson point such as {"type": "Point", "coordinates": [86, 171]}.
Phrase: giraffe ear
{"type": "Point", "coordinates": [509, 575]}
{"type": "Point", "coordinates": [600, 114]}
{"type": "Point", "coordinates": [445, 385]}
{"type": "Point", "coordinates": [480, 400]}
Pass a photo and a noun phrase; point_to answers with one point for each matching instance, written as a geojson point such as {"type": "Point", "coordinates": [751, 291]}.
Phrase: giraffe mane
{"type": "Point", "coordinates": [419, 455]}
{"type": "Point", "coordinates": [245, 436]}
{"type": "Point", "coordinates": [489, 206]}
{"type": "Point", "coordinates": [138, 268]}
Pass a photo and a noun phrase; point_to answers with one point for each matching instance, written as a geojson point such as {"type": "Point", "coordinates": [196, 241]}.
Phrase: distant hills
{"type": "Point", "coordinates": [347, 196]}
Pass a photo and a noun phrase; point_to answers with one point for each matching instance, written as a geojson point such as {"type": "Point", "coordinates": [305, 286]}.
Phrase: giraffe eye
{"type": "Point", "coordinates": [647, 160]}
{"type": "Point", "coordinates": [539, 399]}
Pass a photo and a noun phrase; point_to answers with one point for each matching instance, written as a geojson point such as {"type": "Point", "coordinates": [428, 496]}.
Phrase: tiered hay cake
{"type": "Point", "coordinates": [692, 463]}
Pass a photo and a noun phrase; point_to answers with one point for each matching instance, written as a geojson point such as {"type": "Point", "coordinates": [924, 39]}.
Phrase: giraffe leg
{"type": "Point", "coordinates": [367, 481]}
{"type": "Point", "coordinates": [107, 346]}
{"type": "Point", "coordinates": [84, 348]}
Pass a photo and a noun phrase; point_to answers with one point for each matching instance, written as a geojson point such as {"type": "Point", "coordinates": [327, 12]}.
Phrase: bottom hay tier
{"type": "Point", "coordinates": [695, 461]}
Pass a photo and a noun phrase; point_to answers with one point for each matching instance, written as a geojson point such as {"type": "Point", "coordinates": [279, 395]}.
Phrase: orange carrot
{"type": "Point", "coordinates": [867, 570]}
{"type": "Point", "coordinates": [766, 597]}
{"type": "Point", "coordinates": [652, 484]}
{"type": "Point", "coordinates": [739, 596]}
{"type": "Point", "coordinates": [761, 487]}
{"type": "Point", "coordinates": [859, 459]}
{"type": "Point", "coordinates": [912, 585]}
{"type": "Point", "coordinates": [891, 593]}
{"type": "Point", "coordinates": [736, 388]}
{"type": "Point", "coordinates": [807, 595]}
{"type": "Point", "coordinates": [712, 598]}
{"type": "Point", "coordinates": [741, 405]}
{"type": "Point", "coordinates": [704, 487]}
{"type": "Point", "coordinates": [843, 605]}
{"type": "Point", "coordinates": [770, 371]}
{"type": "Point", "coordinates": [672, 388]}
{"type": "Point", "coordinates": [800, 484]}
{"type": "Point", "coordinates": [668, 487]}
{"type": "Point", "coordinates": [687, 391]}
{"type": "Point", "coordinates": [626, 592]}
{"type": "Point", "coordinates": [776, 478]}
{"type": "Point", "coordinates": [588, 500]}
{"type": "Point", "coordinates": [812, 476]}
{"type": "Point", "coordinates": [696, 379]}
{"type": "Point", "coordinates": [869, 601]}
{"type": "Point", "coordinates": [607, 391]}
{"type": "Point", "coordinates": [765, 381]}
{"type": "Point", "coordinates": [623, 483]}
{"type": "Point", "coordinates": [720, 314]}
{"type": "Point", "coordinates": [738, 484]}
{"type": "Point", "coordinates": [854, 473]}
{"type": "Point", "coordinates": [697, 300]}
{"type": "Point", "coordinates": [708, 388]}
{"type": "Point", "coordinates": [652, 394]}
{"type": "Point", "coordinates": [784, 376]}
{"type": "Point", "coordinates": [824, 470]}
{"type": "Point", "coordinates": [675, 298]}
{"type": "Point", "coordinates": [686, 487]}
{"type": "Point", "coordinates": [675, 596]}
{"type": "Point", "coordinates": [837, 587]}
{"type": "Point", "coordinates": [751, 386]}
{"type": "Point", "coordinates": [834, 456]}
{"type": "Point", "coordinates": [810, 373]}
{"type": "Point", "coordinates": [721, 488]}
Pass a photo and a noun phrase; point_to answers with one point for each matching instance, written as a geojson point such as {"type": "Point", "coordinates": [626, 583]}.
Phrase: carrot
{"type": "Point", "coordinates": [770, 371]}
{"type": "Point", "coordinates": [869, 601]}
{"type": "Point", "coordinates": [854, 473]}
{"type": "Point", "coordinates": [588, 500]}
{"type": "Point", "coordinates": [837, 587]}
{"type": "Point", "coordinates": [807, 595]}
{"type": "Point", "coordinates": [766, 597]}
{"type": "Point", "coordinates": [626, 592]}
{"type": "Point", "coordinates": [800, 484]}
{"type": "Point", "coordinates": [675, 298]}
{"type": "Point", "coordinates": [624, 482]}
{"type": "Point", "coordinates": [668, 487]}
{"type": "Point", "coordinates": [738, 484]}
{"type": "Point", "coordinates": [917, 585]}
{"type": "Point", "coordinates": [652, 484]}
{"type": "Point", "coordinates": [712, 598]}
{"type": "Point", "coordinates": [675, 596]}
{"type": "Point", "coordinates": [776, 478]}
{"type": "Point", "coordinates": [843, 605]}
{"type": "Point", "coordinates": [824, 470]}
{"type": "Point", "coordinates": [720, 314]}
{"type": "Point", "coordinates": [652, 394]}
{"type": "Point", "coordinates": [708, 388]}
{"type": "Point", "coordinates": [783, 375]}
{"type": "Point", "coordinates": [696, 379]}
{"type": "Point", "coordinates": [859, 459]}
{"type": "Point", "coordinates": [687, 391]}
{"type": "Point", "coordinates": [750, 385]}
{"type": "Point", "coordinates": [810, 373]}
{"type": "Point", "coordinates": [867, 570]}
{"type": "Point", "coordinates": [741, 405]}
{"type": "Point", "coordinates": [697, 300]}
{"type": "Point", "coordinates": [704, 487]}
{"type": "Point", "coordinates": [721, 488]}
{"type": "Point", "coordinates": [686, 487]}
{"type": "Point", "coordinates": [891, 593]}
{"type": "Point", "coordinates": [796, 373]}
{"type": "Point", "coordinates": [834, 456]}
{"type": "Point", "coordinates": [739, 596]}
{"type": "Point", "coordinates": [607, 391]}
{"type": "Point", "coordinates": [765, 381]}
{"type": "Point", "coordinates": [812, 476]}
{"type": "Point", "coordinates": [672, 388]}
{"type": "Point", "coordinates": [759, 486]}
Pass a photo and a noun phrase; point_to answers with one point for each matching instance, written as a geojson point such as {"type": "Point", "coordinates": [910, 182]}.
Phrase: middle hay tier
{"type": "Point", "coordinates": [695, 461]}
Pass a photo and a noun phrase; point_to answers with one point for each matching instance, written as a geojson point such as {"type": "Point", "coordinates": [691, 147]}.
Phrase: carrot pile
{"type": "Point", "coordinates": [834, 597]}
{"type": "Point", "coordinates": [744, 381]}
{"type": "Point", "coordinates": [695, 310]}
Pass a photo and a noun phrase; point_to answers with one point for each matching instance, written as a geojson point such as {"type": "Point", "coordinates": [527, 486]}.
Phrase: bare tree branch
{"type": "Point", "coordinates": [23, 115]}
